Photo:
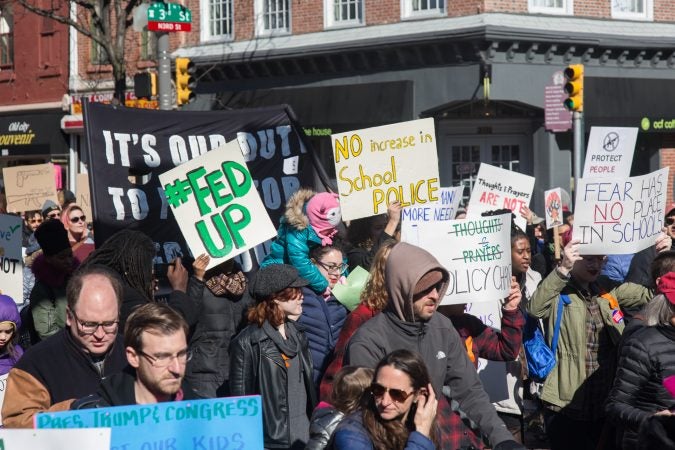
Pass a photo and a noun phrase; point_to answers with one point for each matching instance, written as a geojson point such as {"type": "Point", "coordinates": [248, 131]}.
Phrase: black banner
{"type": "Point", "coordinates": [128, 148]}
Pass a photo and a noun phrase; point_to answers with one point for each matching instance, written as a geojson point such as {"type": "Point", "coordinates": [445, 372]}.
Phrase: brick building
{"type": "Point", "coordinates": [347, 64]}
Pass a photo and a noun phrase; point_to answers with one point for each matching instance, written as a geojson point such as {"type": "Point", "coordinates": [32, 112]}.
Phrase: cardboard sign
{"type": "Point", "coordinates": [497, 188]}
{"type": "Point", "coordinates": [82, 196]}
{"type": "Point", "coordinates": [553, 208]}
{"type": "Point", "coordinates": [11, 260]}
{"type": "Point", "coordinates": [443, 209]}
{"type": "Point", "coordinates": [477, 254]}
{"type": "Point", "coordinates": [381, 165]}
{"type": "Point", "coordinates": [620, 216]}
{"type": "Point", "coordinates": [228, 422]}
{"type": "Point", "coordinates": [216, 204]}
{"type": "Point", "coordinates": [27, 187]}
{"type": "Point", "coordinates": [610, 152]}
{"type": "Point", "coordinates": [90, 439]}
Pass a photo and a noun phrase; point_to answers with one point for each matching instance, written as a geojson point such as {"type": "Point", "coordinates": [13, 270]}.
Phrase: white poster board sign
{"type": "Point", "coordinates": [82, 195]}
{"type": "Point", "coordinates": [216, 204]}
{"type": "Point", "coordinates": [443, 209]}
{"type": "Point", "coordinates": [27, 187]}
{"type": "Point", "coordinates": [11, 260]}
{"type": "Point", "coordinates": [477, 254]}
{"type": "Point", "coordinates": [619, 216]}
{"type": "Point", "coordinates": [85, 438]}
{"type": "Point", "coordinates": [610, 152]}
{"type": "Point", "coordinates": [497, 188]}
{"type": "Point", "coordinates": [3, 387]}
{"type": "Point", "coordinates": [381, 165]}
{"type": "Point", "coordinates": [553, 208]}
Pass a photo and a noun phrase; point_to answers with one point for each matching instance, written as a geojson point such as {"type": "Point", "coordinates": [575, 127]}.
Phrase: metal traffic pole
{"type": "Point", "coordinates": [163, 71]}
{"type": "Point", "coordinates": [578, 129]}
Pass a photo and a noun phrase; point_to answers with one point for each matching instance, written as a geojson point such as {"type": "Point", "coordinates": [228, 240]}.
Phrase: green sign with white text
{"type": "Point", "coordinates": [169, 12]}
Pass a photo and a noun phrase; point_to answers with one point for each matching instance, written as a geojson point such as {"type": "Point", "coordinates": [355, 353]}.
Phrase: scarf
{"type": "Point", "coordinates": [233, 284]}
{"type": "Point", "coordinates": [289, 346]}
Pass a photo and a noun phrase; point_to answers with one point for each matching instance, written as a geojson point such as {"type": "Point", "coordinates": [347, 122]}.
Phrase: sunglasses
{"type": "Point", "coordinates": [670, 220]}
{"type": "Point", "coordinates": [54, 215]}
{"type": "Point", "coordinates": [397, 395]}
{"type": "Point", "coordinates": [76, 219]}
{"type": "Point", "coordinates": [35, 221]}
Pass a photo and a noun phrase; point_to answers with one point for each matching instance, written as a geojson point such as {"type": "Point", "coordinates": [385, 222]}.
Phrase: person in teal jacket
{"type": "Point", "coordinates": [575, 392]}
{"type": "Point", "coordinates": [310, 220]}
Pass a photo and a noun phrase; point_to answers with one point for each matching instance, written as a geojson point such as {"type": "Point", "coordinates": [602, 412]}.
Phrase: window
{"type": "Point", "coordinates": [633, 9]}
{"type": "Point", "coordinates": [422, 8]}
{"type": "Point", "coordinates": [273, 17]}
{"type": "Point", "coordinates": [217, 22]}
{"type": "Point", "coordinates": [550, 6]}
{"type": "Point", "coordinates": [148, 46]}
{"type": "Point", "coordinates": [6, 36]}
{"type": "Point", "coordinates": [97, 54]}
{"type": "Point", "coordinates": [343, 13]}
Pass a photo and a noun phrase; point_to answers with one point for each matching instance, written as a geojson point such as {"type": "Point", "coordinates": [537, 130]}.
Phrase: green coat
{"type": "Point", "coordinates": [570, 370]}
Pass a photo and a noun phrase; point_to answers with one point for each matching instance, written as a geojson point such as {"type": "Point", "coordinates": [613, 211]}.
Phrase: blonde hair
{"type": "Point", "coordinates": [374, 295]}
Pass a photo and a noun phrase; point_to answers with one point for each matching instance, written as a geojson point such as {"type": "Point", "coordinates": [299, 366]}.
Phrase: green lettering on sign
{"type": "Point", "coordinates": [169, 12]}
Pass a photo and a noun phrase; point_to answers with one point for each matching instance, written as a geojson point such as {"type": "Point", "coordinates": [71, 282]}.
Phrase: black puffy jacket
{"type": "Point", "coordinates": [638, 390]}
{"type": "Point", "coordinates": [256, 367]}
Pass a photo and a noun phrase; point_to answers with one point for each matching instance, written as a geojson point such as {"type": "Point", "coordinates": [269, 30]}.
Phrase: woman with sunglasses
{"type": "Point", "coordinates": [322, 314]}
{"type": "Point", "coordinates": [399, 410]}
{"type": "Point", "coordinates": [75, 223]}
{"type": "Point", "coordinates": [270, 358]}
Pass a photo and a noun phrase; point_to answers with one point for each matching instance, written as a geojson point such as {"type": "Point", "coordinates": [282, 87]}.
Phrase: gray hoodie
{"type": "Point", "coordinates": [436, 340]}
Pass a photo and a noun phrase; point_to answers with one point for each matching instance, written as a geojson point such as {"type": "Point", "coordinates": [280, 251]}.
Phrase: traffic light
{"type": "Point", "coordinates": [185, 81]}
{"type": "Point", "coordinates": [574, 87]}
{"type": "Point", "coordinates": [145, 85]}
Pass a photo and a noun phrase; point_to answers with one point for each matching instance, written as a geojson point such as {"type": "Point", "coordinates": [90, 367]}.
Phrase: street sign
{"type": "Point", "coordinates": [169, 17]}
{"type": "Point", "coordinates": [556, 117]}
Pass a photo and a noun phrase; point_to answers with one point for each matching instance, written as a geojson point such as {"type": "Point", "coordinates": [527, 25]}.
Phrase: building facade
{"type": "Point", "coordinates": [479, 68]}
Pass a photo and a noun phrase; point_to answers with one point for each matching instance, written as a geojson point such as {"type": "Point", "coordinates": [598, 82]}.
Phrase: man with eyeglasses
{"type": "Point", "coordinates": [71, 363]}
{"type": "Point", "coordinates": [416, 282]}
{"type": "Point", "coordinates": [155, 337]}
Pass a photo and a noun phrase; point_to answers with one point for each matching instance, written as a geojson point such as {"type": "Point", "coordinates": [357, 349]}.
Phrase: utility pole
{"type": "Point", "coordinates": [578, 149]}
{"type": "Point", "coordinates": [164, 71]}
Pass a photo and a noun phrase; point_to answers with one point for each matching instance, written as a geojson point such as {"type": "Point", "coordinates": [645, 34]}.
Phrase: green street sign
{"type": "Point", "coordinates": [169, 12]}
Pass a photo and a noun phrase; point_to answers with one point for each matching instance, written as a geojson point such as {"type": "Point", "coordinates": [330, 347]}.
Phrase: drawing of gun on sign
{"type": "Point", "coordinates": [27, 187]}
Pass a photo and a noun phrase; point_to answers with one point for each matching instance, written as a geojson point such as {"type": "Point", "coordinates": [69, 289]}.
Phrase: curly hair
{"type": "Point", "coordinates": [374, 295]}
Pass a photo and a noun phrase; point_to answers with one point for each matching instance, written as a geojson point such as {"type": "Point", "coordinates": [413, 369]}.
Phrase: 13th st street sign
{"type": "Point", "coordinates": [169, 17]}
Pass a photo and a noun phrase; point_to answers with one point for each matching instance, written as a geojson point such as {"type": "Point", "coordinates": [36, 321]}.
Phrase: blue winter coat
{"type": "Point", "coordinates": [352, 435]}
{"type": "Point", "coordinates": [321, 321]}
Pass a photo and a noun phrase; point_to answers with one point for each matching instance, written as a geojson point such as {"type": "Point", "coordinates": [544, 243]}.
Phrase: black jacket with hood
{"type": "Point", "coordinates": [436, 339]}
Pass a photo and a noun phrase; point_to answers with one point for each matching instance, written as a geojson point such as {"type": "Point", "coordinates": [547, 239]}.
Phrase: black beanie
{"type": "Point", "coordinates": [52, 237]}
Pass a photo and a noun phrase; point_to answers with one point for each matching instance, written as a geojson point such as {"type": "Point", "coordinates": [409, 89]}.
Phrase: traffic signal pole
{"type": "Point", "coordinates": [578, 130]}
{"type": "Point", "coordinates": [164, 71]}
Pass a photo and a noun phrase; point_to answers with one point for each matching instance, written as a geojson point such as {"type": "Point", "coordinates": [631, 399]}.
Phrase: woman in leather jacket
{"type": "Point", "coordinates": [271, 358]}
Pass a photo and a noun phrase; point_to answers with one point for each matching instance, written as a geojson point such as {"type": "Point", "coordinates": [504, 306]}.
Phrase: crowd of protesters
{"type": "Point", "coordinates": [398, 371]}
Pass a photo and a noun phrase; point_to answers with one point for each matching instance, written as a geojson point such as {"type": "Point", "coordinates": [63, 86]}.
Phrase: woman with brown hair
{"type": "Point", "coordinates": [271, 358]}
{"type": "Point", "coordinates": [373, 299]}
{"type": "Point", "coordinates": [400, 411]}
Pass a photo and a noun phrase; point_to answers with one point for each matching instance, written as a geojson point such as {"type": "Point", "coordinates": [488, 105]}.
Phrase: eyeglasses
{"type": "Point", "coordinates": [333, 268]}
{"type": "Point", "coordinates": [76, 219]}
{"type": "Point", "coordinates": [163, 360]}
{"type": "Point", "coordinates": [88, 328]}
{"type": "Point", "coordinates": [670, 220]}
{"type": "Point", "coordinates": [397, 395]}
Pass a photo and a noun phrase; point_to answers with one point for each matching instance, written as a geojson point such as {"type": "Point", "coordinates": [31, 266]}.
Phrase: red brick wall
{"type": "Point", "coordinates": [667, 159]}
{"type": "Point", "coordinates": [40, 70]}
{"type": "Point", "coordinates": [380, 12]}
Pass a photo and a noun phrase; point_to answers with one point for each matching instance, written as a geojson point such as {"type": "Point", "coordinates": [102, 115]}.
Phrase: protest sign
{"type": "Point", "coordinates": [477, 254]}
{"type": "Point", "coordinates": [11, 260]}
{"type": "Point", "coordinates": [381, 165]}
{"type": "Point", "coordinates": [619, 216]}
{"type": "Point", "coordinates": [443, 209]}
{"type": "Point", "coordinates": [129, 147]}
{"type": "Point", "coordinates": [227, 422]}
{"type": "Point", "coordinates": [216, 205]}
{"type": "Point", "coordinates": [82, 195]}
{"type": "Point", "coordinates": [497, 188]}
{"type": "Point", "coordinates": [89, 439]}
{"type": "Point", "coordinates": [27, 187]}
{"type": "Point", "coordinates": [3, 386]}
{"type": "Point", "coordinates": [610, 152]}
{"type": "Point", "coordinates": [553, 208]}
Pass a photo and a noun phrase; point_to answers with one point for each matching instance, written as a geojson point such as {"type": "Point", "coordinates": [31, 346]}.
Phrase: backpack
{"type": "Point", "coordinates": [540, 357]}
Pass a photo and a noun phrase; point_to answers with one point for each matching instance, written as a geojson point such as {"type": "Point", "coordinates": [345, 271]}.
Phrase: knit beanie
{"type": "Point", "coordinates": [52, 237]}
{"type": "Point", "coordinates": [49, 206]}
{"type": "Point", "coordinates": [323, 211]}
{"type": "Point", "coordinates": [428, 280]}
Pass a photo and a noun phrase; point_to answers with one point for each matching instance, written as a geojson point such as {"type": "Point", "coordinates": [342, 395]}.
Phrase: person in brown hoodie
{"type": "Point", "coordinates": [415, 283]}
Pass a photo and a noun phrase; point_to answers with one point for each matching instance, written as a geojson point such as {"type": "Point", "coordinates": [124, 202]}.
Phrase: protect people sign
{"type": "Point", "coordinates": [610, 152]}
{"type": "Point", "coordinates": [219, 423]}
{"type": "Point", "coordinates": [620, 216]}
{"type": "Point", "coordinates": [477, 254]}
{"type": "Point", "coordinates": [378, 166]}
{"type": "Point", "coordinates": [216, 204]}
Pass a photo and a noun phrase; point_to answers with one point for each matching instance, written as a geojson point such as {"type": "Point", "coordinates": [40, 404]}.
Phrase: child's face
{"type": "Point", "coordinates": [6, 333]}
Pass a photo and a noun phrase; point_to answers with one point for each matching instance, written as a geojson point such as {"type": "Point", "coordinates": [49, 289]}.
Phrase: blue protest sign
{"type": "Point", "coordinates": [219, 423]}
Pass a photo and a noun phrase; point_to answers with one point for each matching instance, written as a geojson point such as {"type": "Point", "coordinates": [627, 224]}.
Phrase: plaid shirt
{"type": "Point", "coordinates": [455, 433]}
